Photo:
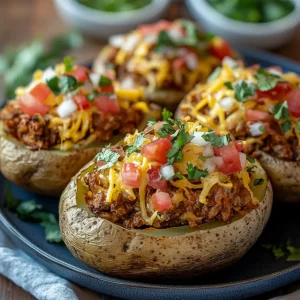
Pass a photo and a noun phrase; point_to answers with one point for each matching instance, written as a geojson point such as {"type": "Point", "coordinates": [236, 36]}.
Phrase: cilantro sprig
{"type": "Point", "coordinates": [138, 142]}
{"type": "Point", "coordinates": [281, 112]}
{"type": "Point", "coordinates": [216, 140]}
{"type": "Point", "coordinates": [68, 62]}
{"type": "Point", "coordinates": [107, 156]}
{"type": "Point", "coordinates": [104, 81]}
{"type": "Point", "coordinates": [195, 173]}
{"type": "Point", "coordinates": [266, 81]}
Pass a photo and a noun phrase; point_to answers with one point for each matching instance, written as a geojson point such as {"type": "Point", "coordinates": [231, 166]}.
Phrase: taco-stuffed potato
{"type": "Point", "coordinates": [59, 122]}
{"type": "Point", "coordinates": [165, 58]}
{"type": "Point", "coordinates": [174, 200]}
{"type": "Point", "coordinates": [261, 107]}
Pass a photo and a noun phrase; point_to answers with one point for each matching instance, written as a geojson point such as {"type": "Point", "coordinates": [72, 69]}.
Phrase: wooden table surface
{"type": "Point", "coordinates": [22, 20]}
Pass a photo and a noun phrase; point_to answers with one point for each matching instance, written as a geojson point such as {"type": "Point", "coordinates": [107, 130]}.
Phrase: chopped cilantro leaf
{"type": "Point", "coordinates": [214, 75]}
{"type": "Point", "coordinates": [216, 140]}
{"type": "Point", "coordinates": [266, 80]}
{"type": "Point", "coordinates": [243, 90]}
{"type": "Point", "coordinates": [166, 114]}
{"type": "Point", "coordinates": [93, 95]}
{"type": "Point", "coordinates": [251, 160]}
{"type": "Point", "coordinates": [258, 181]}
{"type": "Point", "coordinates": [163, 40]}
{"type": "Point", "coordinates": [294, 253]}
{"type": "Point", "coordinates": [262, 129]}
{"type": "Point", "coordinates": [286, 126]}
{"type": "Point", "coordinates": [151, 123]}
{"type": "Point", "coordinates": [104, 81]}
{"type": "Point", "coordinates": [108, 156]}
{"type": "Point", "coordinates": [166, 129]}
{"type": "Point", "coordinates": [203, 157]}
{"type": "Point", "coordinates": [228, 84]}
{"type": "Point", "coordinates": [194, 172]}
{"type": "Point", "coordinates": [178, 175]}
{"type": "Point", "coordinates": [138, 142]}
{"type": "Point", "coordinates": [53, 84]}
{"type": "Point", "coordinates": [192, 37]}
{"type": "Point", "coordinates": [281, 111]}
{"type": "Point", "coordinates": [69, 83]}
{"type": "Point", "coordinates": [68, 63]}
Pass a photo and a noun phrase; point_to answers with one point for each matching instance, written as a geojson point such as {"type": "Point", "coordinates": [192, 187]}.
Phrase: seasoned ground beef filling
{"type": "Point", "coordinates": [35, 133]}
{"type": "Point", "coordinates": [221, 205]}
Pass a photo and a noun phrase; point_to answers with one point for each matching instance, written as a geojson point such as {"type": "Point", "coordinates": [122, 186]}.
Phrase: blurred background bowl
{"type": "Point", "coordinates": [101, 24]}
{"type": "Point", "coordinates": [261, 35]}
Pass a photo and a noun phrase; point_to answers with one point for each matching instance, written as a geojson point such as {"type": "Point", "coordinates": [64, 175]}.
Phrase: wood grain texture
{"type": "Point", "coordinates": [22, 20]}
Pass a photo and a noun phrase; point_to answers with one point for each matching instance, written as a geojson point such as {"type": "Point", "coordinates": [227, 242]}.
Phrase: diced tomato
{"type": "Point", "coordinates": [31, 105]}
{"type": "Point", "coordinates": [155, 28]}
{"type": "Point", "coordinates": [178, 63]}
{"type": "Point", "coordinates": [107, 105]}
{"type": "Point", "coordinates": [239, 145]}
{"type": "Point", "coordinates": [130, 175]}
{"type": "Point", "coordinates": [220, 48]}
{"type": "Point", "coordinates": [230, 157]}
{"type": "Point", "coordinates": [293, 100]}
{"type": "Point", "coordinates": [40, 92]}
{"type": "Point", "coordinates": [277, 93]}
{"type": "Point", "coordinates": [161, 201]}
{"type": "Point", "coordinates": [256, 115]}
{"type": "Point", "coordinates": [80, 74]}
{"type": "Point", "coordinates": [81, 102]}
{"type": "Point", "coordinates": [107, 89]}
{"type": "Point", "coordinates": [157, 150]}
{"type": "Point", "coordinates": [155, 181]}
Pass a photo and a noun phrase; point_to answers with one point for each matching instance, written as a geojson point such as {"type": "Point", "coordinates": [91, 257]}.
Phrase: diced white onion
{"type": "Point", "coordinates": [66, 108]}
{"type": "Point", "coordinates": [167, 171]}
{"type": "Point", "coordinates": [175, 34]}
{"type": "Point", "coordinates": [208, 150]}
{"type": "Point", "coordinates": [130, 43]}
{"type": "Point", "coordinates": [209, 165]}
{"type": "Point", "coordinates": [274, 71]}
{"type": "Point", "coordinates": [192, 62]}
{"type": "Point", "coordinates": [255, 129]}
{"type": "Point", "coordinates": [128, 83]}
{"type": "Point", "coordinates": [95, 78]}
{"type": "Point", "coordinates": [151, 39]}
{"type": "Point", "coordinates": [198, 139]}
{"type": "Point", "coordinates": [231, 63]}
{"type": "Point", "coordinates": [218, 161]}
{"type": "Point", "coordinates": [48, 74]}
{"type": "Point", "coordinates": [116, 40]}
{"type": "Point", "coordinates": [227, 103]}
{"type": "Point", "coordinates": [243, 159]}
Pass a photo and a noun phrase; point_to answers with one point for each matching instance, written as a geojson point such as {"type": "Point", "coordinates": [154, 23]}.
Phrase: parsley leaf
{"type": "Point", "coordinates": [195, 173]}
{"type": "Point", "coordinates": [104, 81]}
{"type": "Point", "coordinates": [281, 111]}
{"type": "Point", "coordinates": [214, 75]}
{"type": "Point", "coordinates": [266, 80]}
{"type": "Point", "coordinates": [166, 114]}
{"type": "Point", "coordinates": [108, 156]}
{"type": "Point", "coordinates": [216, 140]}
{"type": "Point", "coordinates": [68, 63]}
{"type": "Point", "coordinates": [258, 181]}
{"type": "Point", "coordinates": [228, 84]}
{"type": "Point", "coordinates": [138, 142]}
{"type": "Point", "coordinates": [53, 84]}
{"type": "Point", "coordinates": [69, 83]}
{"type": "Point", "coordinates": [242, 90]}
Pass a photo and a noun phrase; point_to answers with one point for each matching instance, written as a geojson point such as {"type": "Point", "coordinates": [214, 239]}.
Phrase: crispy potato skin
{"type": "Point", "coordinates": [117, 251]}
{"type": "Point", "coordinates": [284, 175]}
{"type": "Point", "coordinates": [45, 172]}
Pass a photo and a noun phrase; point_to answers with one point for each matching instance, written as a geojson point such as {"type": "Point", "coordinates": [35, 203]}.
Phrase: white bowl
{"type": "Point", "coordinates": [102, 24]}
{"type": "Point", "coordinates": [260, 35]}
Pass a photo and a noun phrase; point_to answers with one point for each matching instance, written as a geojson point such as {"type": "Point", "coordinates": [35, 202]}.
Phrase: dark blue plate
{"type": "Point", "coordinates": [257, 272]}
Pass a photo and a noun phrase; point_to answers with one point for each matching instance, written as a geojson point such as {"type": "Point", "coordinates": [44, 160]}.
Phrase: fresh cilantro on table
{"type": "Point", "coordinates": [243, 90]}
{"type": "Point", "coordinates": [214, 75]}
{"type": "Point", "coordinates": [216, 140]}
{"type": "Point", "coordinates": [166, 114]}
{"type": "Point", "coordinates": [31, 211]}
{"type": "Point", "coordinates": [265, 80]}
{"type": "Point", "coordinates": [258, 181]}
{"type": "Point", "coordinates": [195, 173]}
{"type": "Point", "coordinates": [138, 142]}
{"type": "Point", "coordinates": [107, 156]}
{"type": "Point", "coordinates": [68, 62]}
{"type": "Point", "coordinates": [104, 81]}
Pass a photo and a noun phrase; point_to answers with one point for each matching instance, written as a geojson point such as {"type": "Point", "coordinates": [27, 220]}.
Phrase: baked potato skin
{"type": "Point", "coordinates": [46, 171]}
{"type": "Point", "coordinates": [119, 252]}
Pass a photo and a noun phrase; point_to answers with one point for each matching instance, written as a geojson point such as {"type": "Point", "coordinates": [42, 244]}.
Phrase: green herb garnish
{"type": "Point", "coordinates": [53, 84]}
{"type": "Point", "coordinates": [281, 111]}
{"type": "Point", "coordinates": [195, 173]}
{"type": "Point", "coordinates": [108, 156]}
{"type": "Point", "coordinates": [166, 114]}
{"type": "Point", "coordinates": [93, 95]}
{"type": "Point", "coordinates": [250, 159]}
{"type": "Point", "coordinates": [228, 84]}
{"type": "Point", "coordinates": [286, 126]}
{"type": "Point", "coordinates": [138, 142]}
{"type": "Point", "coordinates": [216, 140]}
{"type": "Point", "coordinates": [214, 75]}
{"type": "Point", "coordinates": [69, 83]}
{"type": "Point", "coordinates": [104, 81]}
{"type": "Point", "coordinates": [178, 175]}
{"type": "Point", "coordinates": [151, 123]}
{"type": "Point", "coordinates": [265, 80]}
{"type": "Point", "coordinates": [163, 40]}
{"type": "Point", "coordinates": [68, 62]}
{"type": "Point", "coordinates": [243, 90]}
{"type": "Point", "coordinates": [298, 127]}
{"type": "Point", "coordinates": [203, 157]}
{"type": "Point", "coordinates": [258, 181]}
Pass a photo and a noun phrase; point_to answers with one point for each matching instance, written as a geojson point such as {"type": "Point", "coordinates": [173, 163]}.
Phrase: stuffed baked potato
{"type": "Point", "coordinates": [174, 200]}
{"type": "Point", "coordinates": [166, 58]}
{"type": "Point", "coordinates": [261, 107]}
{"type": "Point", "coordinates": [59, 122]}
